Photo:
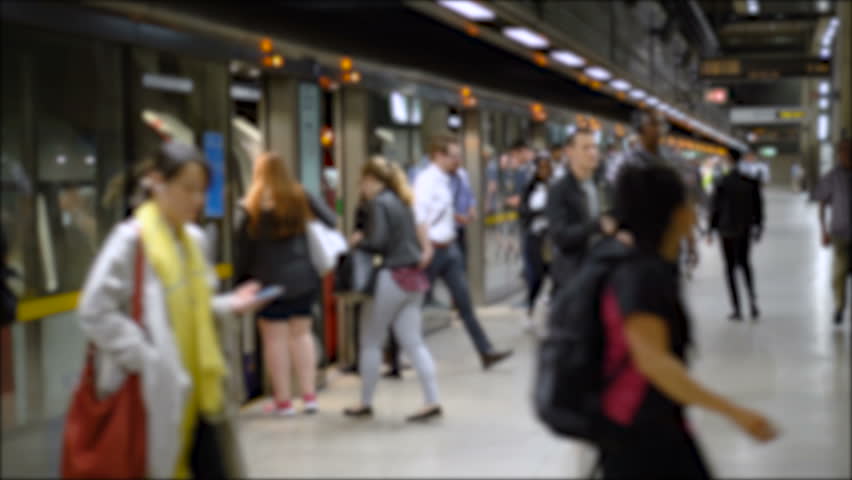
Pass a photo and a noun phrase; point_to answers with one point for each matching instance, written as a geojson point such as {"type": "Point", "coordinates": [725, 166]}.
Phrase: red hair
{"type": "Point", "coordinates": [273, 185]}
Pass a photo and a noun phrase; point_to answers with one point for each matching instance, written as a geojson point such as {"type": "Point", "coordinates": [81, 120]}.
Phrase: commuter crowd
{"type": "Point", "coordinates": [614, 238]}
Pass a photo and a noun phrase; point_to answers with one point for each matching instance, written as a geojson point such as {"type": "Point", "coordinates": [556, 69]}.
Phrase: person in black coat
{"type": "Point", "coordinates": [736, 214]}
{"type": "Point", "coordinates": [576, 208]}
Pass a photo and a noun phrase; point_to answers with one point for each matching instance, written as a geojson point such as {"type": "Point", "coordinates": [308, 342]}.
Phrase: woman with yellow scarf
{"type": "Point", "coordinates": [175, 350]}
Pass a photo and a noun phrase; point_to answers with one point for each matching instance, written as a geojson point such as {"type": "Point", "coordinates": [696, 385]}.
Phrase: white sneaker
{"type": "Point", "coordinates": [528, 322]}
{"type": "Point", "coordinates": [311, 407]}
{"type": "Point", "coordinates": [274, 409]}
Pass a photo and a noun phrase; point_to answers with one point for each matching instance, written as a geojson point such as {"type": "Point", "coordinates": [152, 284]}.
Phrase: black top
{"type": "Point", "coordinates": [391, 231]}
{"type": "Point", "coordinates": [275, 260]}
{"type": "Point", "coordinates": [737, 205]}
{"type": "Point", "coordinates": [526, 213]}
{"type": "Point", "coordinates": [649, 284]}
{"type": "Point", "coordinates": [570, 225]}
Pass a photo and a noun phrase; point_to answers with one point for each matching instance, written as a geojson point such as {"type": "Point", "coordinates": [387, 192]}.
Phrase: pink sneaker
{"type": "Point", "coordinates": [311, 406]}
{"type": "Point", "coordinates": [285, 409]}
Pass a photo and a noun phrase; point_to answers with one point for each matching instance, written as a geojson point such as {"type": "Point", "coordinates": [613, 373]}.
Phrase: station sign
{"type": "Point", "coordinates": [767, 115]}
{"type": "Point", "coordinates": [764, 68]}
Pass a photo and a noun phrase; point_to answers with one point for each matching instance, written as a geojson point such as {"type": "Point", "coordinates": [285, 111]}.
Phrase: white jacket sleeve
{"type": "Point", "coordinates": [105, 302]}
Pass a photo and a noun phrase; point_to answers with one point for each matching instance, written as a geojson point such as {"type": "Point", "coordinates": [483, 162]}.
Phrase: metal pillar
{"type": "Point", "coordinates": [279, 119]}
{"type": "Point", "coordinates": [474, 164]}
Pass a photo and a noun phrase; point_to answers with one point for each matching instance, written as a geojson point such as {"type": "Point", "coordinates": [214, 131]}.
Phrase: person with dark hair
{"type": "Point", "coordinates": [736, 214]}
{"type": "Point", "coordinates": [533, 212]}
{"type": "Point", "coordinates": [174, 346]}
{"type": "Point", "coordinates": [833, 195]}
{"type": "Point", "coordinates": [647, 337]}
{"type": "Point", "coordinates": [433, 207]}
{"type": "Point", "coordinates": [576, 208]}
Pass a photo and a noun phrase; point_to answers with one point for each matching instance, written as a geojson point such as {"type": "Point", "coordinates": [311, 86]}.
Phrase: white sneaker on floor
{"type": "Point", "coordinates": [273, 409]}
{"type": "Point", "coordinates": [311, 407]}
{"type": "Point", "coordinates": [528, 322]}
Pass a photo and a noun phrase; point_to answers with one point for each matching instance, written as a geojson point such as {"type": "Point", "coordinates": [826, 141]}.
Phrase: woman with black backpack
{"type": "Point", "coordinates": [648, 332]}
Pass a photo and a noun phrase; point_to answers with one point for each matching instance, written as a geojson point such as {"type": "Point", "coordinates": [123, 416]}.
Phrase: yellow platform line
{"type": "Point", "coordinates": [37, 308]}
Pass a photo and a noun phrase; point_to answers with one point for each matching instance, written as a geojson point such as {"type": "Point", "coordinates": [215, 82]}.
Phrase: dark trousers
{"type": "Point", "coordinates": [448, 265]}
{"type": "Point", "coordinates": [737, 253]}
{"type": "Point", "coordinates": [666, 451]}
{"type": "Point", "coordinates": [536, 267]}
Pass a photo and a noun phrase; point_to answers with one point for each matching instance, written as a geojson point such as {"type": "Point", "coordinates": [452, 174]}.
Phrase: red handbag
{"type": "Point", "coordinates": [107, 438]}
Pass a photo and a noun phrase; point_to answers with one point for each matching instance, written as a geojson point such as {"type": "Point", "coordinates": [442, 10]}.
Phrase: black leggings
{"type": "Point", "coordinates": [737, 252]}
{"type": "Point", "coordinates": [665, 450]}
{"type": "Point", "coordinates": [537, 267]}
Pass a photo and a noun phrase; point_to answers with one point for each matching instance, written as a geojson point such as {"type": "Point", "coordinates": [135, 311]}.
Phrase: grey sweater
{"type": "Point", "coordinates": [391, 231]}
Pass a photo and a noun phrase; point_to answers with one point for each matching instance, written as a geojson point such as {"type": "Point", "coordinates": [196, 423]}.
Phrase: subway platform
{"type": "Point", "coordinates": [792, 364]}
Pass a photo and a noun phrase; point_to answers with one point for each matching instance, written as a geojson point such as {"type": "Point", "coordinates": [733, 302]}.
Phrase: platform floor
{"type": "Point", "coordinates": [792, 364]}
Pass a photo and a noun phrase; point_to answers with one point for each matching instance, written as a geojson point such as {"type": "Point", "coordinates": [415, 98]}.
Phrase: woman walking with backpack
{"type": "Point", "coordinates": [400, 285]}
{"type": "Point", "coordinates": [272, 248]}
{"type": "Point", "coordinates": [648, 333]}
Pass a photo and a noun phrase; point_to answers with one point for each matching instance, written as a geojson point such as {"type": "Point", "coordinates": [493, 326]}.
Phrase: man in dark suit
{"type": "Point", "coordinates": [576, 208]}
{"type": "Point", "coordinates": [736, 214]}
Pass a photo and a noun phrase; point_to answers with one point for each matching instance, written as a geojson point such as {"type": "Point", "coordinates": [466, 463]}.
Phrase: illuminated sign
{"type": "Point", "coordinates": [764, 68]}
{"type": "Point", "coordinates": [717, 95]}
{"type": "Point", "coordinates": [791, 114]}
{"type": "Point", "coordinates": [768, 151]}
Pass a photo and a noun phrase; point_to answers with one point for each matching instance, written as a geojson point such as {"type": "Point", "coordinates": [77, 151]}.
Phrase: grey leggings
{"type": "Point", "coordinates": [392, 305]}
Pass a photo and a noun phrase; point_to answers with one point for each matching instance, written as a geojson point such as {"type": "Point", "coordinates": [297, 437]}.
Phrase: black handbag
{"type": "Point", "coordinates": [356, 273]}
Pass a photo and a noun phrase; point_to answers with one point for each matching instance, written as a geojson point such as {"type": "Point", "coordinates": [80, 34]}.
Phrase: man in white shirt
{"type": "Point", "coordinates": [434, 211]}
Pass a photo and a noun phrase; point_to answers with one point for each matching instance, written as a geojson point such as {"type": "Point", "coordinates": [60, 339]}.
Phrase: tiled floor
{"type": "Point", "coordinates": [791, 364]}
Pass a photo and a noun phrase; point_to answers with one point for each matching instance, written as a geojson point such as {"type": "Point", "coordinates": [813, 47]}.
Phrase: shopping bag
{"type": "Point", "coordinates": [356, 273]}
{"type": "Point", "coordinates": [325, 245]}
{"type": "Point", "coordinates": [107, 437]}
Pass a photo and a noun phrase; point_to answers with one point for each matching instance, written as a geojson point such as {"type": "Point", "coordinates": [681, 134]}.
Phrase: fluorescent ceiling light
{"type": "Point", "coordinates": [526, 37]}
{"type": "Point", "coordinates": [469, 9]}
{"type": "Point", "coordinates": [638, 94]}
{"type": "Point", "coordinates": [568, 58]}
{"type": "Point", "coordinates": [823, 103]}
{"type": "Point", "coordinates": [822, 127]}
{"type": "Point", "coordinates": [753, 7]}
{"type": "Point", "coordinates": [823, 6]}
{"type": "Point", "coordinates": [620, 85]}
{"type": "Point", "coordinates": [652, 101]}
{"type": "Point", "coordinates": [825, 53]}
{"type": "Point", "coordinates": [824, 88]}
{"type": "Point", "coordinates": [598, 73]}
{"type": "Point", "coordinates": [399, 108]}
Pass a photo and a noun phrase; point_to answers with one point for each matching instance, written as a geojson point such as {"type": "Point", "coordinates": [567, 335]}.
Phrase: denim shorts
{"type": "Point", "coordinates": [282, 310]}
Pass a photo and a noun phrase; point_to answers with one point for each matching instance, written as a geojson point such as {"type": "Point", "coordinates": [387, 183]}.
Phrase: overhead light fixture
{"type": "Point", "coordinates": [469, 9]}
{"type": "Point", "coordinates": [822, 127]}
{"type": "Point", "coordinates": [620, 84]}
{"type": "Point", "coordinates": [752, 7]}
{"type": "Point", "coordinates": [652, 101]}
{"type": "Point", "coordinates": [824, 88]}
{"type": "Point", "coordinates": [823, 6]}
{"type": "Point", "coordinates": [568, 58]}
{"type": "Point", "coordinates": [526, 37]}
{"type": "Point", "coordinates": [825, 53]}
{"type": "Point", "coordinates": [638, 94]}
{"type": "Point", "coordinates": [823, 103]}
{"type": "Point", "coordinates": [598, 73]}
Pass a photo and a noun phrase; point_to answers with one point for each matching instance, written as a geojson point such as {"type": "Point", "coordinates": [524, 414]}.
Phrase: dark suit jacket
{"type": "Point", "coordinates": [737, 205]}
{"type": "Point", "coordinates": [570, 226]}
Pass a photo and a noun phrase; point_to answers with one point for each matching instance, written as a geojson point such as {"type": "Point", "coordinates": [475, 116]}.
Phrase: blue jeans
{"type": "Point", "coordinates": [448, 265]}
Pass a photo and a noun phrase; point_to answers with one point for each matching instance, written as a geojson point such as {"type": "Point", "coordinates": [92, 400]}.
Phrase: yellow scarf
{"type": "Point", "coordinates": [181, 267]}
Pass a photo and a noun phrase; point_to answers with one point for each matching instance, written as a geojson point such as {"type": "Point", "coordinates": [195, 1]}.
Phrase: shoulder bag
{"type": "Point", "coordinates": [107, 437]}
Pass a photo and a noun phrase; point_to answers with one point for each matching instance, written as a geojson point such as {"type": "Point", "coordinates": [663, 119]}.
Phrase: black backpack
{"type": "Point", "coordinates": [569, 375]}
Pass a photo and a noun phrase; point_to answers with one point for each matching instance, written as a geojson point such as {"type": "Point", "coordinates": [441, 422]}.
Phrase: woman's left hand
{"type": "Point", "coordinates": [244, 298]}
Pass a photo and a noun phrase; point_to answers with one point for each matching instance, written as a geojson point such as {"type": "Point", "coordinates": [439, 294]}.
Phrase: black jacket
{"type": "Point", "coordinates": [737, 206]}
{"type": "Point", "coordinates": [570, 226]}
{"type": "Point", "coordinates": [391, 231]}
{"type": "Point", "coordinates": [273, 260]}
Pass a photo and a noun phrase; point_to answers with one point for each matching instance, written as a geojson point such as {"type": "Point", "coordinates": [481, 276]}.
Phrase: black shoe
{"type": "Point", "coordinates": [736, 317]}
{"type": "Point", "coordinates": [360, 412]}
{"type": "Point", "coordinates": [393, 374]}
{"type": "Point", "coordinates": [838, 318]}
{"type": "Point", "coordinates": [421, 417]}
{"type": "Point", "coordinates": [350, 370]}
{"type": "Point", "coordinates": [492, 358]}
{"type": "Point", "coordinates": [755, 312]}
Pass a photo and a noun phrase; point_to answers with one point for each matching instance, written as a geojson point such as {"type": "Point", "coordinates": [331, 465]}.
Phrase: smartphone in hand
{"type": "Point", "coordinates": [269, 293]}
